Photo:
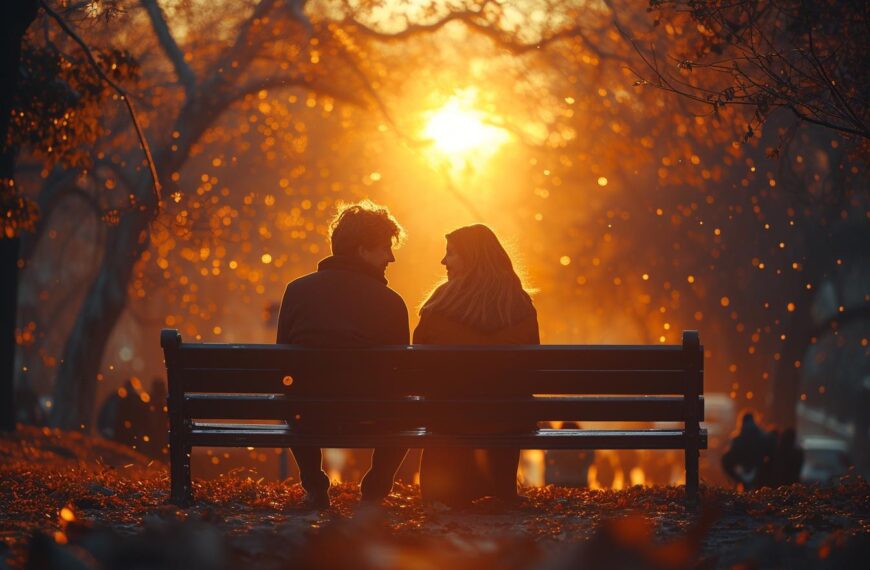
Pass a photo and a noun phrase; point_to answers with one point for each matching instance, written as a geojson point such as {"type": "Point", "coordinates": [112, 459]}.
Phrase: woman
{"type": "Point", "coordinates": [481, 302]}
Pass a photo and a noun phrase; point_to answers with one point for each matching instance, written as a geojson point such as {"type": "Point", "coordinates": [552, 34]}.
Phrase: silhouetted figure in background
{"type": "Point", "coordinates": [748, 458]}
{"type": "Point", "coordinates": [482, 302]}
{"type": "Point", "coordinates": [120, 411]}
{"type": "Point", "coordinates": [347, 303]}
{"type": "Point", "coordinates": [788, 459]}
{"type": "Point", "coordinates": [27, 408]}
{"type": "Point", "coordinates": [136, 418]}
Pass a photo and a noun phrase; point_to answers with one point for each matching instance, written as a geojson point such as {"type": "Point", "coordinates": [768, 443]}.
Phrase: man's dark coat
{"type": "Point", "coordinates": [343, 304]}
{"type": "Point", "coordinates": [346, 303]}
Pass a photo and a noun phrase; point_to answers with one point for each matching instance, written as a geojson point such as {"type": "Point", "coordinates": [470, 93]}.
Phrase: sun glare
{"type": "Point", "coordinates": [459, 132]}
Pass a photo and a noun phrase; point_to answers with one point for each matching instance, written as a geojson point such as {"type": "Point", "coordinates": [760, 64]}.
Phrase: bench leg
{"type": "Point", "coordinates": [179, 472]}
{"type": "Point", "coordinates": [692, 456]}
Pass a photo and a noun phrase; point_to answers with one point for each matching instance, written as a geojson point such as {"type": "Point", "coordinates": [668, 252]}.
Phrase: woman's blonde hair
{"type": "Point", "coordinates": [489, 294]}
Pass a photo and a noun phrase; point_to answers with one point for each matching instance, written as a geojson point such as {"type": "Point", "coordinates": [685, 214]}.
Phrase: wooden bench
{"type": "Point", "coordinates": [213, 387]}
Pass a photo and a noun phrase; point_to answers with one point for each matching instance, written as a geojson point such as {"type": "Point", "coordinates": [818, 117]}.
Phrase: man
{"type": "Point", "coordinates": [347, 303]}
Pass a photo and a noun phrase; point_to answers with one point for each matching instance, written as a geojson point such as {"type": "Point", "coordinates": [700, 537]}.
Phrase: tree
{"type": "Point", "coordinates": [17, 18]}
{"type": "Point", "coordinates": [809, 58]}
{"type": "Point", "coordinates": [744, 230]}
{"type": "Point", "coordinates": [38, 111]}
{"type": "Point", "coordinates": [275, 47]}
{"type": "Point", "coordinates": [225, 78]}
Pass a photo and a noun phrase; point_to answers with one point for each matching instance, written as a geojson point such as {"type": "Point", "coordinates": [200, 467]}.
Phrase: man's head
{"type": "Point", "coordinates": [366, 231]}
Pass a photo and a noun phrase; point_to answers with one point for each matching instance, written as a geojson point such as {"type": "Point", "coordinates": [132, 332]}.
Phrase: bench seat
{"type": "Point", "coordinates": [257, 395]}
{"type": "Point", "coordinates": [272, 435]}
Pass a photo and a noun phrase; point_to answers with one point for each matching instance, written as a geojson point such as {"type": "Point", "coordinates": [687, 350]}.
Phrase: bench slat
{"type": "Point", "coordinates": [581, 408]}
{"type": "Point", "coordinates": [397, 383]}
{"type": "Point", "coordinates": [240, 435]}
{"type": "Point", "coordinates": [440, 359]}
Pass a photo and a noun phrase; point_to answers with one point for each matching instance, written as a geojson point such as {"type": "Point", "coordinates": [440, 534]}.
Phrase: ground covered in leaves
{"type": "Point", "coordinates": [71, 501]}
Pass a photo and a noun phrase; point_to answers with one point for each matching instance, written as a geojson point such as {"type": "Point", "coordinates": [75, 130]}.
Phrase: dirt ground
{"type": "Point", "coordinates": [71, 501]}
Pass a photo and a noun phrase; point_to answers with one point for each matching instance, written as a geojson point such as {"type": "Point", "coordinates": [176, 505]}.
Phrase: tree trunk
{"type": "Point", "coordinates": [76, 382]}
{"type": "Point", "coordinates": [8, 306]}
{"type": "Point", "coordinates": [16, 18]}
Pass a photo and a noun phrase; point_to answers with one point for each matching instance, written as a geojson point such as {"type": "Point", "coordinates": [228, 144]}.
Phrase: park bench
{"type": "Point", "coordinates": [216, 391]}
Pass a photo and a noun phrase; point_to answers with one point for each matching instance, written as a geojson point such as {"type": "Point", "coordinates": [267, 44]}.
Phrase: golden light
{"type": "Point", "coordinates": [460, 133]}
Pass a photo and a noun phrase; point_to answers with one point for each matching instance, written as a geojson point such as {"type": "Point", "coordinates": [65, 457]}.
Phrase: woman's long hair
{"type": "Point", "coordinates": [488, 295]}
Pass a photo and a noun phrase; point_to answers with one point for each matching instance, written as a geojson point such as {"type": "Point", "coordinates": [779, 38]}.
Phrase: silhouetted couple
{"type": "Point", "coordinates": [347, 303]}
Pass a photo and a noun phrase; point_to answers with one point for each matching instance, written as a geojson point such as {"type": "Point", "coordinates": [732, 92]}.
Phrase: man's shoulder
{"type": "Point", "coordinates": [396, 299]}
{"type": "Point", "coordinates": [362, 285]}
{"type": "Point", "coordinates": [304, 280]}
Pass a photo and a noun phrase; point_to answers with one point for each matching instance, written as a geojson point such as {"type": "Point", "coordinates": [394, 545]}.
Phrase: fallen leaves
{"type": "Point", "coordinates": [67, 487]}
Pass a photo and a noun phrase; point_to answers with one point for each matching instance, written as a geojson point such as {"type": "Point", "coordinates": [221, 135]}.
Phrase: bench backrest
{"type": "Point", "coordinates": [662, 383]}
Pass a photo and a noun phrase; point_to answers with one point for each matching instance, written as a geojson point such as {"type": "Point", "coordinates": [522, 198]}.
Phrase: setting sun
{"type": "Point", "coordinates": [458, 131]}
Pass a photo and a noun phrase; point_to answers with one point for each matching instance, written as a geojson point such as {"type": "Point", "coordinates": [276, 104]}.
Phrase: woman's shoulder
{"type": "Point", "coordinates": [524, 331]}
{"type": "Point", "coordinates": [435, 328]}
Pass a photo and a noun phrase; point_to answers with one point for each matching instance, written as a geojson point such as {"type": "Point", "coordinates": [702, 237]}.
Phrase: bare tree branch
{"type": "Point", "coordinates": [476, 21]}
{"type": "Point", "coordinates": [170, 46]}
{"type": "Point", "coordinates": [287, 82]}
{"type": "Point", "coordinates": [779, 62]}
{"type": "Point", "coordinates": [348, 59]}
{"type": "Point", "coordinates": [239, 55]}
{"type": "Point", "coordinates": [118, 89]}
{"type": "Point", "coordinates": [411, 30]}
{"type": "Point", "coordinates": [296, 8]}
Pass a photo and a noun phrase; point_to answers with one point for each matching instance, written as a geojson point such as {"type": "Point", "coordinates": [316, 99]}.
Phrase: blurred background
{"type": "Point", "coordinates": [641, 185]}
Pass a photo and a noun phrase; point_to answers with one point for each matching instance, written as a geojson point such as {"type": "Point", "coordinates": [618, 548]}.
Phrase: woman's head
{"type": "Point", "coordinates": [482, 288]}
{"type": "Point", "coordinates": [475, 249]}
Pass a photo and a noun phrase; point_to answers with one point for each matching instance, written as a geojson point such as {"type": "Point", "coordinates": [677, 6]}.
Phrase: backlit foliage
{"type": "Point", "coordinates": [60, 101]}
{"type": "Point", "coordinates": [808, 58]}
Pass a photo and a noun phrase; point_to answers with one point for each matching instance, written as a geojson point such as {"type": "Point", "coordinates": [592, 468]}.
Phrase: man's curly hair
{"type": "Point", "coordinates": [363, 224]}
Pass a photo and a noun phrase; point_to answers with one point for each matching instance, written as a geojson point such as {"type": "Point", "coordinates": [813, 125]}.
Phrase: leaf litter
{"type": "Point", "coordinates": [68, 500]}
